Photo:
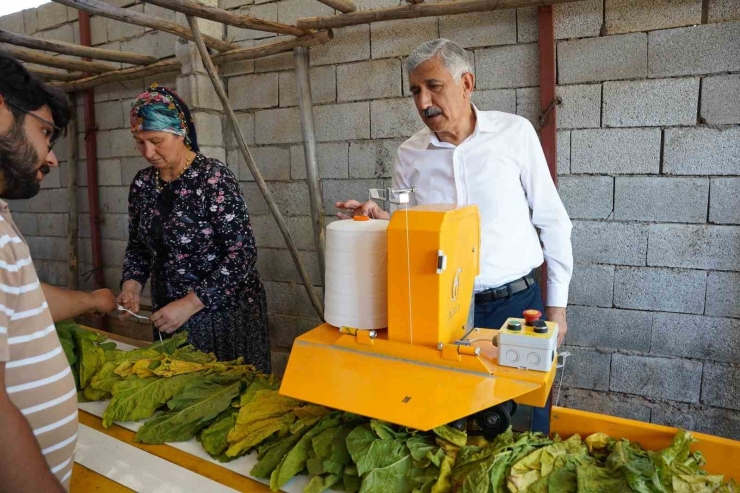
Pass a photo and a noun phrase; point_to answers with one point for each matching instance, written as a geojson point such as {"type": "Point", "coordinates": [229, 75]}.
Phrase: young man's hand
{"type": "Point", "coordinates": [103, 301]}
{"type": "Point", "coordinates": [557, 314]}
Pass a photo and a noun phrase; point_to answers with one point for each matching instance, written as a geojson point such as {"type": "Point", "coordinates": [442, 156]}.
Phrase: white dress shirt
{"type": "Point", "coordinates": [500, 168]}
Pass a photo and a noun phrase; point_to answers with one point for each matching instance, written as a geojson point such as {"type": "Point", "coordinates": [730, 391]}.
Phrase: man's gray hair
{"type": "Point", "coordinates": [454, 58]}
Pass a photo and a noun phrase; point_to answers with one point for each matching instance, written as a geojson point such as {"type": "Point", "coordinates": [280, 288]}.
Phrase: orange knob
{"type": "Point", "coordinates": [531, 315]}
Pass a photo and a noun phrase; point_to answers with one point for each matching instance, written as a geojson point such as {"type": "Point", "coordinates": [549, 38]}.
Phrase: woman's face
{"type": "Point", "coordinates": [160, 149]}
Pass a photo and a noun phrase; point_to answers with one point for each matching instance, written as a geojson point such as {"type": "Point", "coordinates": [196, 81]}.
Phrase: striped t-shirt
{"type": "Point", "coordinates": [38, 378]}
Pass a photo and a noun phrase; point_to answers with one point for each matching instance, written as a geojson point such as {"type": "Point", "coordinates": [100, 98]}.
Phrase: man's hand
{"type": "Point", "coordinates": [103, 301]}
{"type": "Point", "coordinates": [130, 298]}
{"type": "Point", "coordinates": [557, 314]}
{"type": "Point", "coordinates": [355, 208]}
{"type": "Point", "coordinates": [171, 317]}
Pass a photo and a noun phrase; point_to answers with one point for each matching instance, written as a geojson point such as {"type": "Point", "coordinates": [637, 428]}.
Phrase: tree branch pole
{"type": "Point", "coordinates": [56, 61]}
{"type": "Point", "coordinates": [316, 197]}
{"type": "Point", "coordinates": [247, 155]}
{"type": "Point", "coordinates": [55, 75]}
{"type": "Point", "coordinates": [72, 223]}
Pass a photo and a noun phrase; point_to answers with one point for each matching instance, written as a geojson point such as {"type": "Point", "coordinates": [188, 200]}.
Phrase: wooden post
{"type": "Point", "coordinates": [316, 196]}
{"type": "Point", "coordinates": [132, 17]}
{"type": "Point", "coordinates": [421, 10]}
{"type": "Point", "coordinates": [55, 75]}
{"type": "Point", "coordinates": [72, 223]}
{"type": "Point", "coordinates": [249, 160]}
{"type": "Point", "coordinates": [56, 61]}
{"type": "Point", "coordinates": [73, 49]}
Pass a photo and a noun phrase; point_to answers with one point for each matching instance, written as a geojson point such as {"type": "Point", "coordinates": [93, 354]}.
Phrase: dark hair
{"type": "Point", "coordinates": [24, 89]}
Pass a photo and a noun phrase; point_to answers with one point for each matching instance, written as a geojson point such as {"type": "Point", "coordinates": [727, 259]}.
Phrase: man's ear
{"type": "Point", "coordinates": [468, 80]}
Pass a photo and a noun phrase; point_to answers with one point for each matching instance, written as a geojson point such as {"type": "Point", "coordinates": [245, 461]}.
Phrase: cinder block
{"type": "Point", "coordinates": [369, 80]}
{"type": "Point", "coordinates": [347, 121]}
{"type": "Point", "coordinates": [127, 90]}
{"type": "Point", "coordinates": [707, 49]}
{"type": "Point", "coordinates": [603, 58]}
{"type": "Point", "coordinates": [50, 15]}
{"type": "Point", "coordinates": [724, 201]}
{"type": "Point", "coordinates": [276, 264]}
{"type": "Point", "coordinates": [289, 299]}
{"type": "Point", "coordinates": [272, 162]}
{"type": "Point", "coordinates": [669, 290]}
{"type": "Point", "coordinates": [672, 200]}
{"type": "Point", "coordinates": [528, 105]}
{"type": "Point", "coordinates": [587, 369]}
{"type": "Point", "coordinates": [98, 30]}
{"type": "Point", "coordinates": [130, 166]}
{"type": "Point", "coordinates": [496, 100]}
{"type": "Point", "coordinates": [114, 252]}
{"type": "Point", "coordinates": [289, 11]}
{"type": "Point", "coordinates": [350, 44]}
{"type": "Point", "coordinates": [160, 12]}
{"type": "Point", "coordinates": [651, 102]}
{"type": "Point", "coordinates": [712, 421]}
{"type": "Point", "coordinates": [581, 106]}
{"type": "Point", "coordinates": [615, 151]}
{"type": "Point", "coordinates": [30, 21]}
{"type": "Point", "coordinates": [587, 197]}
{"type": "Point", "coordinates": [27, 223]}
{"type": "Point", "coordinates": [268, 235]}
{"type": "Point", "coordinates": [702, 151]}
{"type": "Point", "coordinates": [592, 285]}
{"type": "Point", "coordinates": [233, 4]}
{"type": "Point", "coordinates": [691, 336]}
{"type": "Point", "coordinates": [109, 172]}
{"type": "Point", "coordinates": [372, 159]}
{"type": "Point", "coordinates": [279, 362]}
{"type": "Point", "coordinates": [47, 248]}
{"type": "Point", "coordinates": [113, 200]}
{"type": "Point", "coordinates": [323, 86]}
{"type": "Point", "coordinates": [332, 158]}
{"type": "Point", "coordinates": [253, 91]}
{"type": "Point", "coordinates": [341, 190]}
{"type": "Point", "coordinates": [394, 118]}
{"type": "Point", "coordinates": [480, 28]}
{"type": "Point", "coordinates": [114, 227]}
{"type": "Point", "coordinates": [109, 115]}
{"type": "Point", "coordinates": [606, 403]}
{"type": "Point", "coordinates": [145, 44]}
{"type": "Point", "coordinates": [401, 37]}
{"type": "Point", "coordinates": [723, 11]}
{"type": "Point", "coordinates": [609, 242]}
{"type": "Point", "coordinates": [662, 378]}
{"type": "Point", "coordinates": [278, 126]}
{"type": "Point", "coordinates": [209, 129]}
{"type": "Point", "coordinates": [198, 92]}
{"type": "Point", "coordinates": [246, 126]}
{"type": "Point", "coordinates": [265, 12]}
{"type": "Point", "coordinates": [290, 197]}
{"type": "Point", "coordinates": [721, 386]}
{"type": "Point", "coordinates": [694, 247]}
{"type": "Point", "coordinates": [120, 142]}
{"type": "Point", "coordinates": [273, 63]}
{"type": "Point", "coordinates": [284, 329]}
{"type": "Point", "coordinates": [625, 16]}
{"type": "Point", "coordinates": [626, 330]}
{"type": "Point", "coordinates": [55, 273]}
{"type": "Point", "coordinates": [253, 197]}
{"type": "Point", "coordinates": [52, 200]}
{"type": "Point", "coordinates": [118, 30]}
{"type": "Point", "coordinates": [521, 62]}
{"type": "Point", "coordinates": [63, 33]}
{"type": "Point", "coordinates": [723, 294]}
{"type": "Point", "coordinates": [563, 152]}
{"type": "Point", "coordinates": [53, 179]}
{"type": "Point", "coordinates": [580, 20]}
{"type": "Point", "coordinates": [526, 25]}
{"type": "Point", "coordinates": [720, 99]}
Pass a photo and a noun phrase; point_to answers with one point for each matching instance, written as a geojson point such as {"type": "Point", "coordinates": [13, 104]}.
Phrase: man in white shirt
{"type": "Point", "coordinates": [493, 160]}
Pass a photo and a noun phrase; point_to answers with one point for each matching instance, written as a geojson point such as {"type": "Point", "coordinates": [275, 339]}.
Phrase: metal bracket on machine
{"type": "Point", "coordinates": [389, 194]}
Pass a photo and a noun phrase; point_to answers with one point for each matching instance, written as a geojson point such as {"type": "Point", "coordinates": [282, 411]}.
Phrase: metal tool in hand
{"type": "Point", "coordinates": [124, 309]}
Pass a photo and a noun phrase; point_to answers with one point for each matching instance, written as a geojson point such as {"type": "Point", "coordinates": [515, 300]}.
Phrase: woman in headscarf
{"type": "Point", "coordinates": [189, 232]}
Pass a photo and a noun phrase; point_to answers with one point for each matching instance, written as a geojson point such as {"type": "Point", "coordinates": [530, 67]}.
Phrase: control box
{"type": "Point", "coordinates": [531, 347]}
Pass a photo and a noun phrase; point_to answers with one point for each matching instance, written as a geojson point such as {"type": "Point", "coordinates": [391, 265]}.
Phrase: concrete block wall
{"type": "Point", "coordinates": [648, 164]}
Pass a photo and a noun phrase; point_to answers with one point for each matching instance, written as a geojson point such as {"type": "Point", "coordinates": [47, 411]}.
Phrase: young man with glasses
{"type": "Point", "coordinates": [38, 402]}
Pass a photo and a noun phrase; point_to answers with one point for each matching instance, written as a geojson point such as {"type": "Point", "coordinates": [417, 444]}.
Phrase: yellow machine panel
{"type": "Point", "coordinates": [440, 251]}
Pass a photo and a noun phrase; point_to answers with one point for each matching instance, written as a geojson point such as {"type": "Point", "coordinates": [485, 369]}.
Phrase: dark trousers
{"type": "Point", "coordinates": [493, 314]}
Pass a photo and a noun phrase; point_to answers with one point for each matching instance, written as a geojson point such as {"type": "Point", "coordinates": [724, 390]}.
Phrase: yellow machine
{"type": "Point", "coordinates": [430, 367]}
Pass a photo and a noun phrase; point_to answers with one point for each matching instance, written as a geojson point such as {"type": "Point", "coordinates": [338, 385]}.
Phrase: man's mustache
{"type": "Point", "coordinates": [431, 111]}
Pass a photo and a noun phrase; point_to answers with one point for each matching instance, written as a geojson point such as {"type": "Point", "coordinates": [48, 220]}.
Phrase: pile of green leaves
{"type": "Point", "coordinates": [233, 411]}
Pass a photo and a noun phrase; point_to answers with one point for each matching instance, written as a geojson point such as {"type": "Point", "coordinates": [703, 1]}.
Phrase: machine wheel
{"type": "Point", "coordinates": [496, 420]}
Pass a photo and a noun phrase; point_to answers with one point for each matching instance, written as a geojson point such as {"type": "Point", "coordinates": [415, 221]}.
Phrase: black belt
{"type": "Point", "coordinates": [506, 290]}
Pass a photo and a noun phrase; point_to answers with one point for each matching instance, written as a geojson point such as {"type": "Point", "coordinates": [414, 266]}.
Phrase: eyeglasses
{"type": "Point", "coordinates": [56, 133]}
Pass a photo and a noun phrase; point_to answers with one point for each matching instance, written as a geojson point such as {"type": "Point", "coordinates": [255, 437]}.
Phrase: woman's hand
{"type": "Point", "coordinates": [130, 297]}
{"type": "Point", "coordinates": [171, 317]}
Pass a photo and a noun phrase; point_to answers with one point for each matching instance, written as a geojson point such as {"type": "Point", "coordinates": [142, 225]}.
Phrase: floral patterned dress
{"type": "Point", "coordinates": [195, 235]}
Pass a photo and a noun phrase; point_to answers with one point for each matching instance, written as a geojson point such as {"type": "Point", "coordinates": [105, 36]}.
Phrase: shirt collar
{"type": "Point", "coordinates": [481, 125]}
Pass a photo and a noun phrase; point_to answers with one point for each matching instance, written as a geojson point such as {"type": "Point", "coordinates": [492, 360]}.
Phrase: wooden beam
{"type": "Point", "coordinates": [73, 49]}
{"type": "Point", "coordinates": [56, 61]}
{"type": "Point", "coordinates": [256, 174]}
{"type": "Point", "coordinates": [132, 17]}
{"type": "Point", "coordinates": [420, 10]}
{"type": "Point", "coordinates": [167, 66]}
{"type": "Point", "coordinates": [55, 75]}
{"type": "Point", "coordinates": [344, 6]}
{"type": "Point", "coordinates": [197, 9]}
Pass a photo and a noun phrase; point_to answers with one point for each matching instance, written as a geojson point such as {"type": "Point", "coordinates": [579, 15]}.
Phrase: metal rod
{"type": "Point", "coordinates": [249, 160]}
{"type": "Point", "coordinates": [316, 196]}
{"type": "Point", "coordinates": [72, 223]}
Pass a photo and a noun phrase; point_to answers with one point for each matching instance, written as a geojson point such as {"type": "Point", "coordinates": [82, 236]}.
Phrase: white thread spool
{"type": "Point", "coordinates": [356, 273]}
